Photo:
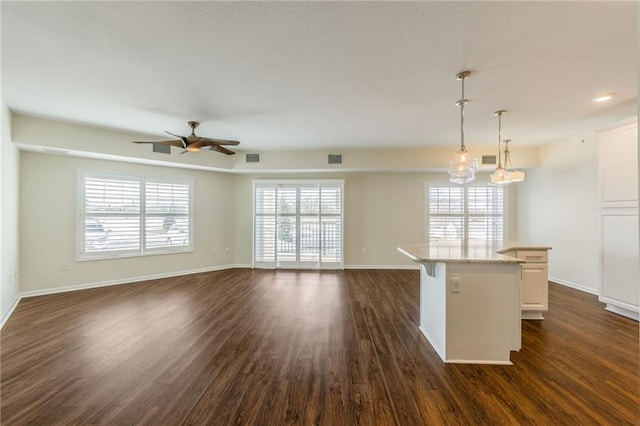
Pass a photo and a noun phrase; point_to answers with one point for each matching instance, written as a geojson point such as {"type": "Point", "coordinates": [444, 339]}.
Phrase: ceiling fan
{"type": "Point", "coordinates": [193, 143]}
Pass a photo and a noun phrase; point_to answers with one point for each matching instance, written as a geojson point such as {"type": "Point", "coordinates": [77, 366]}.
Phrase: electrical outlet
{"type": "Point", "coordinates": [64, 266]}
{"type": "Point", "coordinates": [363, 250]}
{"type": "Point", "coordinates": [214, 251]}
{"type": "Point", "coordinates": [455, 285]}
{"type": "Point", "coordinates": [226, 249]}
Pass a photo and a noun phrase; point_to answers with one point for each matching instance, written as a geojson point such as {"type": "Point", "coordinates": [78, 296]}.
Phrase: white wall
{"type": "Point", "coordinates": [9, 199]}
{"type": "Point", "coordinates": [375, 160]}
{"type": "Point", "coordinates": [48, 212]}
{"type": "Point", "coordinates": [557, 206]}
{"type": "Point", "coordinates": [382, 211]}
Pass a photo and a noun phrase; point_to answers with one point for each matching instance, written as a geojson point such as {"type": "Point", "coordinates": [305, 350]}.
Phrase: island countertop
{"type": "Point", "coordinates": [458, 252]}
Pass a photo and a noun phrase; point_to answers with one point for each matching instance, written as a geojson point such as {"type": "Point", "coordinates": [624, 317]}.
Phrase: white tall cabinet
{"type": "Point", "coordinates": [618, 218]}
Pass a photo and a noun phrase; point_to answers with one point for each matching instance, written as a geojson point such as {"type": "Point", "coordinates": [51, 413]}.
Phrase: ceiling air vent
{"type": "Point", "coordinates": [253, 158]}
{"type": "Point", "coordinates": [163, 149]}
{"type": "Point", "coordinates": [488, 159]}
{"type": "Point", "coordinates": [335, 158]}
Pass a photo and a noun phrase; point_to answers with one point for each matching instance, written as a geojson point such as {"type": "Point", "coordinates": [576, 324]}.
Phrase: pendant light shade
{"type": "Point", "coordinates": [500, 177]}
{"type": "Point", "coordinates": [462, 169]}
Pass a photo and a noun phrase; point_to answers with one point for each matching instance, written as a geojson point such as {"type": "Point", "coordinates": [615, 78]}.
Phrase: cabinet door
{"type": "Point", "coordinates": [618, 166]}
{"type": "Point", "coordinates": [534, 292]}
{"type": "Point", "coordinates": [620, 271]}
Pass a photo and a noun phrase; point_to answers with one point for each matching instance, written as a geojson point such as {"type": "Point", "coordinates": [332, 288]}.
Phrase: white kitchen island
{"type": "Point", "coordinates": [470, 302]}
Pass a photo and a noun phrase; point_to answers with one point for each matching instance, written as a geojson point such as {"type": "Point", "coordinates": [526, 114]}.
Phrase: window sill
{"type": "Point", "coordinates": [137, 254]}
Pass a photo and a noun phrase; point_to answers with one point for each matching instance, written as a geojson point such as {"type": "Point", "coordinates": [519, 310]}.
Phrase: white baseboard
{"type": "Point", "coordinates": [12, 308]}
{"type": "Point", "coordinates": [131, 280]}
{"type": "Point", "coordinates": [580, 287]}
{"type": "Point", "coordinates": [622, 311]}
{"type": "Point", "coordinates": [416, 267]}
{"type": "Point", "coordinates": [240, 266]}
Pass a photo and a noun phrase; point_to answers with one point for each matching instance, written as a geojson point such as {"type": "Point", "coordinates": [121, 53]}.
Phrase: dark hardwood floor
{"type": "Point", "coordinates": [292, 347]}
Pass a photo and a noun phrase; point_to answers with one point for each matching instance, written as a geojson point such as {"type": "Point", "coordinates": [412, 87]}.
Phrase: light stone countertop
{"type": "Point", "coordinates": [457, 252]}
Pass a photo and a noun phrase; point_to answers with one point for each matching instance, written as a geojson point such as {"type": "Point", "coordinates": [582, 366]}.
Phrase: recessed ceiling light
{"type": "Point", "coordinates": [602, 98]}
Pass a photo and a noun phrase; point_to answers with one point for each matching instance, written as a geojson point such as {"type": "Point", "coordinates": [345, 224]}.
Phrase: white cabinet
{"type": "Point", "coordinates": [618, 165]}
{"type": "Point", "coordinates": [619, 265]}
{"type": "Point", "coordinates": [534, 291]}
{"type": "Point", "coordinates": [534, 294]}
{"type": "Point", "coordinates": [534, 282]}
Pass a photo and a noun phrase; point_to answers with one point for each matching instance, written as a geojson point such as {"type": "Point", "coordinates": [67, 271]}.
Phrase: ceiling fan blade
{"type": "Point", "coordinates": [210, 141]}
{"type": "Point", "coordinates": [172, 143]}
{"type": "Point", "coordinates": [220, 149]}
{"type": "Point", "coordinates": [182, 138]}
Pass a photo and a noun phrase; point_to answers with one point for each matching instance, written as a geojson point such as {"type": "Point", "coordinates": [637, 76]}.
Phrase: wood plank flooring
{"type": "Point", "coordinates": [252, 347]}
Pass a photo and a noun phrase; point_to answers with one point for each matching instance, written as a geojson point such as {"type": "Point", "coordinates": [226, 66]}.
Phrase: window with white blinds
{"type": "Point", "coordinates": [298, 224]}
{"type": "Point", "coordinates": [133, 216]}
{"type": "Point", "coordinates": [465, 213]}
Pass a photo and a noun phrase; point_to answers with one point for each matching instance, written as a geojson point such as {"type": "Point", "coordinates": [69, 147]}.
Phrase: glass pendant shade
{"type": "Point", "coordinates": [462, 169]}
{"type": "Point", "coordinates": [516, 175]}
{"type": "Point", "coordinates": [500, 177]}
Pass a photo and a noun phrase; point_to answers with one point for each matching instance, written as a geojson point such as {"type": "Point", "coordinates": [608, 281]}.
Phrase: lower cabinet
{"type": "Point", "coordinates": [534, 291]}
{"type": "Point", "coordinates": [534, 294]}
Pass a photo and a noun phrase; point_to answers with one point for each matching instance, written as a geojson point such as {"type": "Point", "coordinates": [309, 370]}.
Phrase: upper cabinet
{"type": "Point", "coordinates": [618, 165]}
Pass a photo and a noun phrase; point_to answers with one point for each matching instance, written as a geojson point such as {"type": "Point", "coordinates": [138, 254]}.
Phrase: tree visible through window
{"type": "Point", "coordinates": [298, 224]}
{"type": "Point", "coordinates": [464, 213]}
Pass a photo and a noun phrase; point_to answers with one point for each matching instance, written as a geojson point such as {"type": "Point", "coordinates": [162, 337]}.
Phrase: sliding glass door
{"type": "Point", "coordinates": [298, 224]}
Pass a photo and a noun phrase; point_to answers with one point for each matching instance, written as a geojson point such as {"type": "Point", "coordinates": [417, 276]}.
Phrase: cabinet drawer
{"type": "Point", "coordinates": [532, 256]}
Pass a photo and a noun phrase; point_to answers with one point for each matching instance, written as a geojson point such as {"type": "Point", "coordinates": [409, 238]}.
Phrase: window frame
{"type": "Point", "coordinates": [299, 183]}
{"type": "Point", "coordinates": [465, 215]}
{"type": "Point", "coordinates": [82, 256]}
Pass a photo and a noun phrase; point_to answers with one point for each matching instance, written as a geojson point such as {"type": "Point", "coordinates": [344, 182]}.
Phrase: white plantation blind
{"type": "Point", "coordinates": [465, 213]}
{"type": "Point", "coordinates": [130, 215]}
{"type": "Point", "coordinates": [167, 214]}
{"type": "Point", "coordinates": [265, 224]}
{"type": "Point", "coordinates": [331, 222]}
{"type": "Point", "coordinates": [111, 215]}
{"type": "Point", "coordinates": [485, 213]}
{"type": "Point", "coordinates": [298, 224]}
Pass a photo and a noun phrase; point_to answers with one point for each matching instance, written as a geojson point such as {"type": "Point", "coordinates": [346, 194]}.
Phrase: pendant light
{"type": "Point", "coordinates": [516, 175]}
{"type": "Point", "coordinates": [500, 177]}
{"type": "Point", "coordinates": [462, 169]}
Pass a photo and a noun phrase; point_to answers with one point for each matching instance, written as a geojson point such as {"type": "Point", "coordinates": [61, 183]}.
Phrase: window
{"type": "Point", "coordinates": [133, 216]}
{"type": "Point", "coordinates": [298, 224]}
{"type": "Point", "coordinates": [465, 213]}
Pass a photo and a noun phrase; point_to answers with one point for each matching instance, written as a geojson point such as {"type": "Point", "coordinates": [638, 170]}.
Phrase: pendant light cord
{"type": "Point", "coordinates": [462, 102]}
{"type": "Point", "coordinates": [500, 138]}
{"type": "Point", "coordinates": [507, 157]}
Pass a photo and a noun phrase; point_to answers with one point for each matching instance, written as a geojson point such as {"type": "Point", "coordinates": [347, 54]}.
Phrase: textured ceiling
{"type": "Point", "coordinates": [302, 75]}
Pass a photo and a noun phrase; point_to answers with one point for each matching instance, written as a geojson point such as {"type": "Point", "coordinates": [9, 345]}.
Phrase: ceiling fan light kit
{"type": "Point", "coordinates": [462, 169]}
{"type": "Point", "coordinates": [194, 143]}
